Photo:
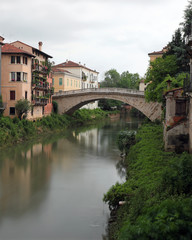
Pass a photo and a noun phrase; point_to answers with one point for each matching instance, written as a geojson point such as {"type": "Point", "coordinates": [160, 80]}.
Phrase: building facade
{"type": "Point", "coordinates": [88, 78]}
{"type": "Point", "coordinates": [26, 75]}
{"type": "Point", "coordinates": [64, 80]}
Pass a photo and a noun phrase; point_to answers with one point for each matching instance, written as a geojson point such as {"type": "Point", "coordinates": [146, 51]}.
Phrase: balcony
{"type": "Point", "coordinates": [44, 86]}
{"type": "Point", "coordinates": [39, 68]}
{"type": "Point", "coordinates": [40, 101]}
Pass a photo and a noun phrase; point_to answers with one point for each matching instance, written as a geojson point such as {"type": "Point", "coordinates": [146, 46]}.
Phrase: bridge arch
{"type": "Point", "coordinates": [70, 101]}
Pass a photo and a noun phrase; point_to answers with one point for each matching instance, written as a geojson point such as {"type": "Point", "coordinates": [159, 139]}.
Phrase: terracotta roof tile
{"type": "Point", "coordinates": [8, 48]}
{"type": "Point", "coordinates": [59, 70]}
{"type": "Point", "coordinates": [156, 53]}
{"type": "Point", "coordinates": [73, 64]}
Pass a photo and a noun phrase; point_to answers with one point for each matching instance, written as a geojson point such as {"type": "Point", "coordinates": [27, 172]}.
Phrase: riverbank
{"type": "Point", "coordinates": [157, 192]}
{"type": "Point", "coordinates": [13, 131]}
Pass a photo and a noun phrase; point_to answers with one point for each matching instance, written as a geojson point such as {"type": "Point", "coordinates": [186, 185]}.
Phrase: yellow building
{"type": "Point", "coordinates": [87, 78]}
{"type": "Point", "coordinates": [158, 54]}
{"type": "Point", "coordinates": [64, 80]}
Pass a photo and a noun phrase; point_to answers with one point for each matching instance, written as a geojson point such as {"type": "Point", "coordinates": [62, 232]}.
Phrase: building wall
{"type": "Point", "coordinates": [19, 87]}
{"type": "Point", "coordinates": [153, 57]}
{"type": "Point", "coordinates": [69, 82]}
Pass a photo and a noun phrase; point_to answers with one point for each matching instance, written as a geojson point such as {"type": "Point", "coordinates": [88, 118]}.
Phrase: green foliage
{"type": "Point", "coordinates": [55, 107]}
{"type": "Point", "coordinates": [124, 80]}
{"type": "Point", "coordinates": [125, 140]}
{"type": "Point", "coordinates": [156, 74]}
{"type": "Point", "coordinates": [118, 192]}
{"type": "Point", "coordinates": [178, 48]}
{"type": "Point", "coordinates": [112, 77]}
{"type": "Point", "coordinates": [129, 80]}
{"type": "Point", "coordinates": [109, 104]}
{"type": "Point", "coordinates": [171, 219]}
{"type": "Point", "coordinates": [187, 20]}
{"type": "Point", "coordinates": [22, 107]}
{"type": "Point", "coordinates": [82, 116]}
{"type": "Point", "coordinates": [136, 113]}
{"type": "Point", "coordinates": [157, 191]}
{"type": "Point", "coordinates": [16, 130]}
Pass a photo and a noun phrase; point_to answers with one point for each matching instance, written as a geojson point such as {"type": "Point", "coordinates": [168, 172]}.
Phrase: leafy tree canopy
{"type": "Point", "coordinates": [178, 48]}
{"type": "Point", "coordinates": [156, 74]}
{"type": "Point", "coordinates": [114, 79]}
{"type": "Point", "coordinates": [124, 80]}
{"type": "Point", "coordinates": [22, 107]}
{"type": "Point", "coordinates": [186, 25]}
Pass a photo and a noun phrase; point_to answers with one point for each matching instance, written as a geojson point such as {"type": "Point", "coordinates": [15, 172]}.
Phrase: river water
{"type": "Point", "coordinates": [53, 189]}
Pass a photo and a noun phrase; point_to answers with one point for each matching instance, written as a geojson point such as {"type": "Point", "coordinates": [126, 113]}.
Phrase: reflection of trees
{"type": "Point", "coordinates": [120, 166]}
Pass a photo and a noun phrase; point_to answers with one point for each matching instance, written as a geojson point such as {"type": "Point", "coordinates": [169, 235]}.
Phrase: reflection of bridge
{"type": "Point", "coordinates": [69, 101]}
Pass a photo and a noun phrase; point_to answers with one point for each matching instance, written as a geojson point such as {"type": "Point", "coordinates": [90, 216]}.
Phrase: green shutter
{"type": "Point", "coordinates": [60, 81]}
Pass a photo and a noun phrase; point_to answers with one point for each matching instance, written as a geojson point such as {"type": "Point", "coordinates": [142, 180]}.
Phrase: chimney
{"type": "Point", "coordinates": [40, 46]}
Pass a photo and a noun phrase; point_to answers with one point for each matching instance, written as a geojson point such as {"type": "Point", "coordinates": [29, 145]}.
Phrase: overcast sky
{"type": "Point", "coordinates": [103, 34]}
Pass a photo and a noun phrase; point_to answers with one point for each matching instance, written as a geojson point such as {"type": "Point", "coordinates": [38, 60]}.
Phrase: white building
{"type": "Point", "coordinates": [88, 77]}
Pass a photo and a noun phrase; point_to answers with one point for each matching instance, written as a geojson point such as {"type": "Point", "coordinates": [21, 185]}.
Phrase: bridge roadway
{"type": "Point", "coordinates": [69, 101]}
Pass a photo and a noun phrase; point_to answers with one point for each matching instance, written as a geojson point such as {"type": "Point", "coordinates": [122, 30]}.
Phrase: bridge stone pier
{"type": "Point", "coordinates": [69, 101]}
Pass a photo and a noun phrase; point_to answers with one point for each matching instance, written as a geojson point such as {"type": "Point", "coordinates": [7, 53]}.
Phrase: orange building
{"type": "Point", "coordinates": [25, 75]}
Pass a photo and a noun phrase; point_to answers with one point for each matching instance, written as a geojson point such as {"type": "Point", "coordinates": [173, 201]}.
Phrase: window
{"type": "Point", "coordinates": [180, 108]}
{"type": "Point", "coordinates": [18, 59]}
{"type": "Point", "coordinates": [60, 81]}
{"type": "Point", "coordinates": [15, 59]}
{"type": "Point", "coordinates": [12, 95]}
{"type": "Point", "coordinates": [13, 76]}
{"type": "Point", "coordinates": [24, 77]}
{"type": "Point", "coordinates": [25, 60]}
{"type": "Point", "coordinates": [53, 81]}
{"type": "Point", "coordinates": [71, 83]}
{"type": "Point", "coordinates": [12, 111]}
{"type": "Point", "coordinates": [12, 59]}
{"type": "Point", "coordinates": [67, 82]}
{"type": "Point", "coordinates": [25, 94]}
{"type": "Point", "coordinates": [18, 76]}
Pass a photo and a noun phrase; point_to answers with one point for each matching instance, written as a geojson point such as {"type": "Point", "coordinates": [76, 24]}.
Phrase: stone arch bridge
{"type": "Point", "coordinates": [69, 101]}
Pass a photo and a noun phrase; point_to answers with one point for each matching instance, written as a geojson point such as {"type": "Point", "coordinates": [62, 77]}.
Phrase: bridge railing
{"type": "Point", "coordinates": [100, 90]}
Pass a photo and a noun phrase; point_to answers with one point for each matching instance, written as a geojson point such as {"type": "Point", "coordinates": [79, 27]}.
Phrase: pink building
{"type": "Point", "coordinates": [26, 75]}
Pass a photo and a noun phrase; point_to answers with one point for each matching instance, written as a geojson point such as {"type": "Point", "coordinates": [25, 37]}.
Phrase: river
{"type": "Point", "coordinates": [53, 189]}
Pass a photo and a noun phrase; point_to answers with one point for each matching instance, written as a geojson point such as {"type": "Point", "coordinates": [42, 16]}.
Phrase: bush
{"type": "Point", "coordinates": [125, 140]}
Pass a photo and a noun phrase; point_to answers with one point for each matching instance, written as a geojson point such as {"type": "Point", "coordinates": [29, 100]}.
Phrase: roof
{"type": "Point", "coordinates": [36, 49]}
{"type": "Point", "coordinates": [8, 48]}
{"type": "Point", "coordinates": [156, 53]}
{"type": "Point", "coordinates": [69, 64]}
{"type": "Point", "coordinates": [59, 70]}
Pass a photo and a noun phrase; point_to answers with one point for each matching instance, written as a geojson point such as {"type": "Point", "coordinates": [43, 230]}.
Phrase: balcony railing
{"type": "Point", "coordinates": [40, 101]}
{"type": "Point", "coordinates": [41, 86]}
{"type": "Point", "coordinates": [39, 68]}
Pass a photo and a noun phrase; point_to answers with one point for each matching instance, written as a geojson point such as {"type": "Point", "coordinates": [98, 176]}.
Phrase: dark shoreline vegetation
{"type": "Point", "coordinates": [13, 131]}
{"type": "Point", "coordinates": [157, 191]}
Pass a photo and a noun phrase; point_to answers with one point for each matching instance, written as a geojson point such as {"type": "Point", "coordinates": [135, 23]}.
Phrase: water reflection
{"type": "Point", "coordinates": [53, 189]}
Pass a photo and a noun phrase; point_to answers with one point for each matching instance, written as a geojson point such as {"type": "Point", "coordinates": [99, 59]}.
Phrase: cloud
{"type": "Point", "coordinates": [100, 33]}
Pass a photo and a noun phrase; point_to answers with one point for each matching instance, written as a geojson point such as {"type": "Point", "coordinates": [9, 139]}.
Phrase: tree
{"type": "Point", "coordinates": [187, 20]}
{"type": "Point", "coordinates": [22, 107]}
{"type": "Point", "coordinates": [129, 80]}
{"type": "Point", "coordinates": [178, 48]}
{"type": "Point", "coordinates": [156, 73]}
{"type": "Point", "coordinates": [112, 77]}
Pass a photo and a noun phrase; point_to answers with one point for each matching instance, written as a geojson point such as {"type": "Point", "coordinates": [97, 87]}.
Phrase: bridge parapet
{"type": "Point", "coordinates": [69, 101]}
{"type": "Point", "coordinates": [101, 91]}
